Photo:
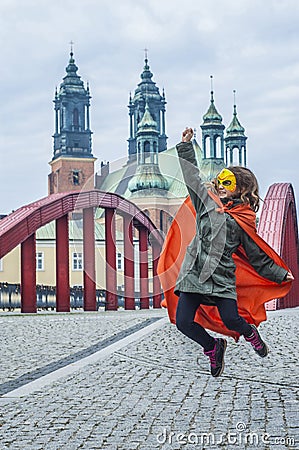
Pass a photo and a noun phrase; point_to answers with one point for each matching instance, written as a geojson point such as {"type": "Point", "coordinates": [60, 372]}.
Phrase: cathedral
{"type": "Point", "coordinates": [151, 176]}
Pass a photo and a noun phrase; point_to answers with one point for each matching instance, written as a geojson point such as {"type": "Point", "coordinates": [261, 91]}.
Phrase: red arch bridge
{"type": "Point", "coordinates": [20, 228]}
{"type": "Point", "coordinates": [277, 225]}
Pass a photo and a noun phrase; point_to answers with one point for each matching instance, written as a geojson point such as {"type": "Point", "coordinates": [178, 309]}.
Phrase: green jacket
{"type": "Point", "coordinates": [208, 267]}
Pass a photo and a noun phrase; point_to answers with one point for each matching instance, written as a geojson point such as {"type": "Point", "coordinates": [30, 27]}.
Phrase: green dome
{"type": "Point", "coordinates": [148, 177]}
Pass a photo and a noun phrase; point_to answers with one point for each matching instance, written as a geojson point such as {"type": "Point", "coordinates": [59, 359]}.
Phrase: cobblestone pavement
{"type": "Point", "coordinates": [29, 342]}
{"type": "Point", "coordinates": [152, 394]}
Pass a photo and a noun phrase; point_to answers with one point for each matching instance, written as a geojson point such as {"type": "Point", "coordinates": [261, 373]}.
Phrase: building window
{"type": "Point", "coordinates": [1, 265]}
{"type": "Point", "coordinates": [76, 119]}
{"type": "Point", "coordinates": [147, 147]}
{"type": "Point", "coordinates": [119, 261]}
{"type": "Point", "coordinates": [77, 261]}
{"type": "Point", "coordinates": [76, 179]}
{"type": "Point", "coordinates": [207, 147]}
{"type": "Point", "coordinates": [40, 261]}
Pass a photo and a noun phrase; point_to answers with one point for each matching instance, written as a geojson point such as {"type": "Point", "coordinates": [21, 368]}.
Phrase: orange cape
{"type": "Point", "coordinates": [253, 291]}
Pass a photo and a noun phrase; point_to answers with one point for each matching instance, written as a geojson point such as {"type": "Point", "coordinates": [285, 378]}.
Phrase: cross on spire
{"type": "Point", "coordinates": [211, 77]}
{"type": "Point", "coordinates": [212, 92]}
{"type": "Point", "coordinates": [235, 106]}
{"type": "Point", "coordinates": [145, 53]}
{"type": "Point", "coordinates": [71, 44]}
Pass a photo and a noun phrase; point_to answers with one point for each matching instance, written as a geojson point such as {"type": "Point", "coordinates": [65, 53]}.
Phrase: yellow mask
{"type": "Point", "coordinates": [227, 179]}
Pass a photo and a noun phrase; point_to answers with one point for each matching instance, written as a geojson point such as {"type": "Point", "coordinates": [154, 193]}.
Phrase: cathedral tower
{"type": "Point", "coordinates": [212, 132]}
{"type": "Point", "coordinates": [147, 93]}
{"type": "Point", "coordinates": [235, 140]}
{"type": "Point", "coordinates": [72, 163]}
{"type": "Point", "coordinates": [212, 141]}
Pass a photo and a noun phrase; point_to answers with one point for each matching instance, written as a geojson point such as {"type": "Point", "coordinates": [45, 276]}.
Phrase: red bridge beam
{"type": "Point", "coordinates": [89, 271]}
{"type": "Point", "coordinates": [28, 275]}
{"type": "Point", "coordinates": [111, 281]}
{"type": "Point", "coordinates": [62, 265]}
{"type": "Point", "coordinates": [129, 281]}
{"type": "Point", "coordinates": [157, 297]}
{"type": "Point", "coordinates": [143, 264]}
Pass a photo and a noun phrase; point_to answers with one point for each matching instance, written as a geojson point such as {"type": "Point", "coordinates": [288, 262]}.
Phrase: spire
{"type": "Point", "coordinates": [146, 93]}
{"type": "Point", "coordinates": [212, 92]}
{"type": "Point", "coordinates": [145, 53]}
{"type": "Point", "coordinates": [146, 74]}
{"type": "Point", "coordinates": [72, 68]}
{"type": "Point", "coordinates": [72, 61]}
{"type": "Point", "coordinates": [72, 122]}
{"type": "Point", "coordinates": [72, 82]}
{"type": "Point", "coordinates": [212, 116]}
{"type": "Point", "coordinates": [147, 122]}
{"type": "Point", "coordinates": [235, 128]}
{"type": "Point", "coordinates": [235, 139]}
{"type": "Point", "coordinates": [212, 131]}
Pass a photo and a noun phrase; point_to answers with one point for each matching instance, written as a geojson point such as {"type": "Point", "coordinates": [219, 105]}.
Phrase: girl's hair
{"type": "Point", "coordinates": [247, 186]}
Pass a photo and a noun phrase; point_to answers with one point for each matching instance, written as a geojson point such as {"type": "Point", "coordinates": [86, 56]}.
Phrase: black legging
{"type": "Point", "coordinates": [227, 307]}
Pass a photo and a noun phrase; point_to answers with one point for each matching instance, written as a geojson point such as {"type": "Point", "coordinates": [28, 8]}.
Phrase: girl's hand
{"type": "Point", "coordinates": [187, 135]}
{"type": "Point", "coordinates": [289, 277]}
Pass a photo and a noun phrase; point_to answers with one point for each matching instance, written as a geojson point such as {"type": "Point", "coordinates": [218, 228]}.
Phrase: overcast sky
{"type": "Point", "coordinates": [248, 45]}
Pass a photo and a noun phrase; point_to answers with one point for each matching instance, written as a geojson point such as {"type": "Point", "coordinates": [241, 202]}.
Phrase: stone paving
{"type": "Point", "coordinates": [152, 394]}
{"type": "Point", "coordinates": [32, 341]}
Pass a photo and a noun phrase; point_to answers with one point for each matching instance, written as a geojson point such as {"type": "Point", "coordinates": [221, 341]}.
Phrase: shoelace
{"type": "Point", "coordinates": [255, 341]}
{"type": "Point", "coordinates": [213, 360]}
{"type": "Point", "coordinates": [212, 355]}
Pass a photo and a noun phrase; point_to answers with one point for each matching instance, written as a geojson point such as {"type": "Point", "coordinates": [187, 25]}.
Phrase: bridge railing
{"type": "Point", "coordinates": [10, 297]}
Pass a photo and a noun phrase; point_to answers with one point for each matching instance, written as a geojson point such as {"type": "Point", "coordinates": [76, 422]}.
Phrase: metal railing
{"type": "Point", "coordinates": [10, 297]}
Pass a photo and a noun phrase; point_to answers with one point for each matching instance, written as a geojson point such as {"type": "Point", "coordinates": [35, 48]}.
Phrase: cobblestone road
{"type": "Point", "coordinates": [151, 394]}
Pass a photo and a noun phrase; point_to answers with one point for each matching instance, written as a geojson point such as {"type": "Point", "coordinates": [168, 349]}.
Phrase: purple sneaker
{"type": "Point", "coordinates": [257, 343]}
{"type": "Point", "coordinates": [217, 357]}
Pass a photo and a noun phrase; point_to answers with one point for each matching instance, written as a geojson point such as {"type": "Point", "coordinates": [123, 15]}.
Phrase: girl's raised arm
{"type": "Point", "coordinates": [195, 186]}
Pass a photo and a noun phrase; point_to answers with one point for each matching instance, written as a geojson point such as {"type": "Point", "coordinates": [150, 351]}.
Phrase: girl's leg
{"type": "Point", "coordinates": [229, 314]}
{"type": "Point", "coordinates": [187, 306]}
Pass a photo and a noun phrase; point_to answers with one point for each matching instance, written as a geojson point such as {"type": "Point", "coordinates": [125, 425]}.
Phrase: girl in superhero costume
{"type": "Point", "coordinates": [227, 272]}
